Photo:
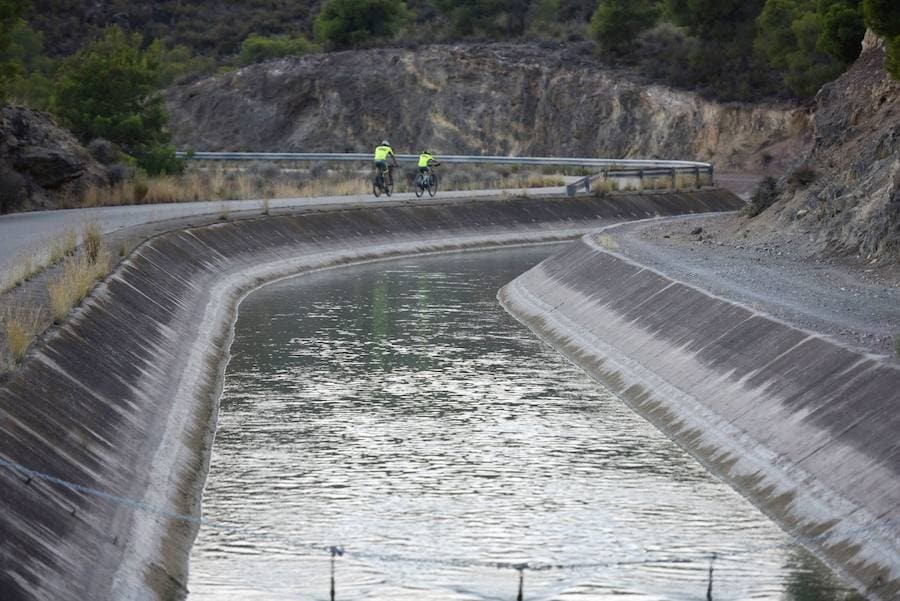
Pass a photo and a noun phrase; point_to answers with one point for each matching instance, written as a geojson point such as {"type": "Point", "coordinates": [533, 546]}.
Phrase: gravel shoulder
{"type": "Point", "coordinates": [845, 298]}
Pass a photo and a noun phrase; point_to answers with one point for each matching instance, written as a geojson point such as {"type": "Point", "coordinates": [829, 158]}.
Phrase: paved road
{"type": "Point", "coordinates": [31, 233]}
{"type": "Point", "coordinates": [22, 233]}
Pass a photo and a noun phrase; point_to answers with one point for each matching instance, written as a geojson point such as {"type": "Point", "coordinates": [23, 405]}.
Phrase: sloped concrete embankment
{"type": "Point", "coordinates": [122, 397]}
{"type": "Point", "coordinates": [804, 428]}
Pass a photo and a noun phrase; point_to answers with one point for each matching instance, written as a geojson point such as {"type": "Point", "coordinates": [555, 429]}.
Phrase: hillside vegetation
{"type": "Point", "coordinates": [728, 49]}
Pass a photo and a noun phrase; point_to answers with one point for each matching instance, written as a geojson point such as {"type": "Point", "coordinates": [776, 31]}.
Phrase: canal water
{"type": "Point", "coordinates": [395, 411]}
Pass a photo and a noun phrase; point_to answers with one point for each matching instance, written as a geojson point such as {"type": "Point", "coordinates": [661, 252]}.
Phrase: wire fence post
{"type": "Point", "coordinates": [712, 560]}
{"type": "Point", "coordinates": [335, 552]}
{"type": "Point", "coordinates": [521, 569]}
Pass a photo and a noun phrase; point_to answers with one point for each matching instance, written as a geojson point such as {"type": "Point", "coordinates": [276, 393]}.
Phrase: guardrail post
{"type": "Point", "coordinates": [674, 179]}
{"type": "Point", "coordinates": [697, 177]}
{"type": "Point", "coordinates": [641, 176]}
{"type": "Point", "coordinates": [712, 180]}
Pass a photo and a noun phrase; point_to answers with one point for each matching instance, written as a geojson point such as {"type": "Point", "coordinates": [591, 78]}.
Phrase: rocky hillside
{"type": "Point", "coordinates": [41, 165]}
{"type": "Point", "coordinates": [846, 196]}
{"type": "Point", "coordinates": [515, 99]}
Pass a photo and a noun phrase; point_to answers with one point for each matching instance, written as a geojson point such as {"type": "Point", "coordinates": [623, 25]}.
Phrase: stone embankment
{"type": "Point", "coordinates": [121, 399]}
{"type": "Point", "coordinates": [802, 426]}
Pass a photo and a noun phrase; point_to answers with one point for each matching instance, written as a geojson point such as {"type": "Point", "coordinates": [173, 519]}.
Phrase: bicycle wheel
{"type": "Point", "coordinates": [420, 189]}
{"type": "Point", "coordinates": [432, 184]}
{"type": "Point", "coordinates": [389, 185]}
{"type": "Point", "coordinates": [376, 186]}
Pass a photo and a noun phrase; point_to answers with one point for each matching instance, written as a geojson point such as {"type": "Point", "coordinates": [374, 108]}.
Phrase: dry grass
{"type": "Point", "coordinates": [79, 274]}
{"type": "Point", "coordinates": [63, 246]}
{"type": "Point", "coordinates": [24, 267]}
{"type": "Point", "coordinates": [20, 326]}
{"type": "Point", "coordinates": [92, 239]}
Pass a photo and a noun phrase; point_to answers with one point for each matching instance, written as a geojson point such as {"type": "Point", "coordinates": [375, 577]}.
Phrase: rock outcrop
{"type": "Point", "coordinates": [846, 196]}
{"type": "Point", "coordinates": [510, 99]}
{"type": "Point", "coordinates": [41, 165]}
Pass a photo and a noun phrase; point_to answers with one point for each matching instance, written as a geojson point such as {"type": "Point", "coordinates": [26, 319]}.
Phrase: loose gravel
{"type": "Point", "coordinates": [845, 298]}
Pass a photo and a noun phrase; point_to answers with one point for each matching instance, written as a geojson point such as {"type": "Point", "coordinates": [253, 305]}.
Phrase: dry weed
{"type": "Point", "coordinates": [92, 239]}
{"type": "Point", "coordinates": [63, 246]}
{"type": "Point", "coordinates": [20, 326]}
{"type": "Point", "coordinates": [79, 274]}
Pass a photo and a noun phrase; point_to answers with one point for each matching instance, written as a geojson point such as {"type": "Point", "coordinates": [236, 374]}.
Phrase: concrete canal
{"type": "Point", "coordinates": [396, 411]}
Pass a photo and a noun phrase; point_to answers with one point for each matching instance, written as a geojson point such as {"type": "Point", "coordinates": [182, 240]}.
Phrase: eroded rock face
{"type": "Point", "coordinates": [483, 99]}
{"type": "Point", "coordinates": [41, 165]}
{"type": "Point", "coordinates": [853, 203]}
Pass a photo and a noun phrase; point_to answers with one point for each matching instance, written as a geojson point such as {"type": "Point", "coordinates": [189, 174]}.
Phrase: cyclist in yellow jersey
{"type": "Point", "coordinates": [426, 162]}
{"type": "Point", "coordinates": [384, 155]}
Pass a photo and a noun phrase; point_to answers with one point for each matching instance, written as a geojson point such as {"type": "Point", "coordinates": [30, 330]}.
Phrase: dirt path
{"type": "Point", "coordinates": [855, 303]}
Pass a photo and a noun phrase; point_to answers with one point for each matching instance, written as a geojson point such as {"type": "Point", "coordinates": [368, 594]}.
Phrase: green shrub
{"type": "Point", "coordinates": [159, 159]}
{"type": "Point", "coordinates": [842, 30]}
{"type": "Point", "coordinates": [257, 48]}
{"type": "Point", "coordinates": [109, 90]}
{"type": "Point", "coordinates": [11, 12]}
{"type": "Point", "coordinates": [616, 23]}
{"type": "Point", "coordinates": [764, 196]}
{"type": "Point", "coordinates": [495, 18]}
{"type": "Point", "coordinates": [352, 23]}
{"type": "Point", "coordinates": [892, 56]}
{"type": "Point", "coordinates": [791, 33]}
{"type": "Point", "coordinates": [883, 16]}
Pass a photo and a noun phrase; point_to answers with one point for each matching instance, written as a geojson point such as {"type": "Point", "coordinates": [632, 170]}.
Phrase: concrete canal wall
{"type": "Point", "coordinates": [806, 429]}
{"type": "Point", "coordinates": [121, 399]}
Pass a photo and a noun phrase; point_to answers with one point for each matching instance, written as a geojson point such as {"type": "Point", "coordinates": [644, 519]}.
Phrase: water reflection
{"type": "Point", "coordinates": [396, 410]}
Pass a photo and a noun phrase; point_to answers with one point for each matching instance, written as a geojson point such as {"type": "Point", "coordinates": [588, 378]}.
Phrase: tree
{"type": "Point", "coordinates": [883, 16]}
{"type": "Point", "coordinates": [11, 12]}
{"type": "Point", "coordinates": [617, 23]}
{"type": "Point", "coordinates": [792, 34]}
{"type": "Point", "coordinates": [842, 29]}
{"type": "Point", "coordinates": [110, 90]}
{"type": "Point", "coordinates": [507, 18]}
{"type": "Point", "coordinates": [32, 82]}
{"type": "Point", "coordinates": [351, 23]}
{"type": "Point", "coordinates": [724, 61]}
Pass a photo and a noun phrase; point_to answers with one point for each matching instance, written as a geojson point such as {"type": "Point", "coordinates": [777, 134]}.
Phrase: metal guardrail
{"type": "Point", "coordinates": [617, 169]}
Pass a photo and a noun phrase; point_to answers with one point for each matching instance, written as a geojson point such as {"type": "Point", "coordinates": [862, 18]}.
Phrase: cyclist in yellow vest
{"type": "Point", "coordinates": [384, 155]}
{"type": "Point", "coordinates": [426, 162]}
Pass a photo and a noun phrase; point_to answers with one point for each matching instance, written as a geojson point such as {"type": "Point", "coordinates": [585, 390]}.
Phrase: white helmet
{"type": "Point", "coordinates": [385, 143]}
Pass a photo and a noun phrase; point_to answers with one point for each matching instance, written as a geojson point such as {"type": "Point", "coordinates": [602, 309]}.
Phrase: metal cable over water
{"type": "Point", "coordinates": [336, 551]}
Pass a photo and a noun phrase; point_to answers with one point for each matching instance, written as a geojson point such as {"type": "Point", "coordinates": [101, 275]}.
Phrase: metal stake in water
{"type": "Point", "coordinates": [521, 570]}
{"type": "Point", "coordinates": [712, 560]}
{"type": "Point", "coordinates": [335, 552]}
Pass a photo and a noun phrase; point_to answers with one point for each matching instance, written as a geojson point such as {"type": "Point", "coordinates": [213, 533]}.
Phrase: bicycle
{"type": "Point", "coordinates": [427, 182]}
{"type": "Point", "coordinates": [379, 184]}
